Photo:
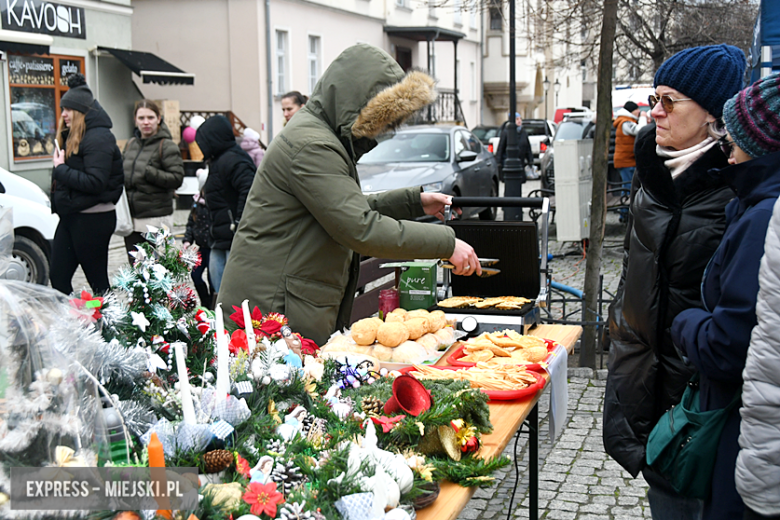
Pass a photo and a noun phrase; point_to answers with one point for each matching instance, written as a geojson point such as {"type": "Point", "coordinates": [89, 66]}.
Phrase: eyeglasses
{"type": "Point", "coordinates": [726, 146]}
{"type": "Point", "coordinates": [667, 102]}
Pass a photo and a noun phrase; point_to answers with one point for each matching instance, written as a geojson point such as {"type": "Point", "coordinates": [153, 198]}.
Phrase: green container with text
{"type": "Point", "coordinates": [416, 283]}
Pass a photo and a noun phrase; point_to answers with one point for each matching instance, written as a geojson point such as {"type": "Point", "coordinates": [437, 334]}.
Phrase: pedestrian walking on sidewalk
{"type": "Point", "coordinates": [231, 172]}
{"type": "Point", "coordinates": [86, 185]}
{"type": "Point", "coordinates": [676, 220]}
{"type": "Point", "coordinates": [153, 171]}
{"type": "Point", "coordinates": [628, 121]}
{"type": "Point", "coordinates": [715, 337]}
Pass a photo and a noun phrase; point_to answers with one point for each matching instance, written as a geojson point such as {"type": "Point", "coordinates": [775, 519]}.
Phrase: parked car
{"type": "Point", "coordinates": [445, 159]}
{"type": "Point", "coordinates": [486, 134]}
{"type": "Point", "coordinates": [34, 227]}
{"type": "Point", "coordinates": [573, 126]}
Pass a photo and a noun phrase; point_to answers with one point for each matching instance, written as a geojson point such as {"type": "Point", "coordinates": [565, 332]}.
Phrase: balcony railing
{"type": "Point", "coordinates": [446, 109]}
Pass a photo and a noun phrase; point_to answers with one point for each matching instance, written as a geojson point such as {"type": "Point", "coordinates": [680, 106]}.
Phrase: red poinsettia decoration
{"type": "Point", "coordinates": [238, 341]}
{"type": "Point", "coordinates": [263, 498]}
{"type": "Point", "coordinates": [308, 347]}
{"type": "Point", "coordinates": [387, 423]}
{"type": "Point", "coordinates": [268, 325]}
{"type": "Point", "coordinates": [242, 465]}
{"type": "Point", "coordinates": [89, 302]}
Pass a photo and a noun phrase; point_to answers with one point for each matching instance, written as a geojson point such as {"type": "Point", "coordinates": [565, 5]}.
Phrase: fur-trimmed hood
{"type": "Point", "coordinates": [364, 92]}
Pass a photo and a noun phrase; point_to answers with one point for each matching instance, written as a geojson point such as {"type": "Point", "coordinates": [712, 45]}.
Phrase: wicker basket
{"type": "Point", "coordinates": [432, 493]}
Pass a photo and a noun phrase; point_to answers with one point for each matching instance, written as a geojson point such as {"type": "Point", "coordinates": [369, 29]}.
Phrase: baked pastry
{"type": "Point", "coordinates": [383, 353]}
{"type": "Point", "coordinates": [437, 320]}
{"type": "Point", "coordinates": [429, 342]}
{"type": "Point", "coordinates": [394, 317]}
{"type": "Point", "coordinates": [362, 349]}
{"type": "Point", "coordinates": [536, 354]}
{"type": "Point", "coordinates": [446, 336]}
{"type": "Point", "coordinates": [364, 331]}
{"type": "Point", "coordinates": [417, 313]}
{"type": "Point", "coordinates": [338, 343]}
{"type": "Point", "coordinates": [399, 311]}
{"type": "Point", "coordinates": [392, 334]}
{"type": "Point", "coordinates": [409, 352]}
{"type": "Point", "coordinates": [417, 327]}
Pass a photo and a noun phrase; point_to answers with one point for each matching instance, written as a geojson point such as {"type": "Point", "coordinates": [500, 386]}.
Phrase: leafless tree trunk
{"type": "Point", "coordinates": [598, 211]}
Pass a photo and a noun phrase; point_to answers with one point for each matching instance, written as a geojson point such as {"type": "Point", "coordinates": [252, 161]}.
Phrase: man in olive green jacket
{"type": "Point", "coordinates": [306, 220]}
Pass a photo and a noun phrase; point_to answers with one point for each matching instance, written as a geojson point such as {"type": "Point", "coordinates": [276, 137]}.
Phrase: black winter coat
{"type": "Point", "coordinates": [94, 174]}
{"type": "Point", "coordinates": [674, 228]}
{"type": "Point", "coordinates": [231, 172]}
{"type": "Point", "coordinates": [153, 171]}
{"type": "Point", "coordinates": [198, 224]}
{"type": "Point", "coordinates": [525, 153]}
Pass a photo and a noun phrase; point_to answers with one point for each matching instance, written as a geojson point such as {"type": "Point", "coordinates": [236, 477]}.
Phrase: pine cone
{"type": "Point", "coordinates": [287, 476]}
{"type": "Point", "coordinates": [276, 447]}
{"type": "Point", "coordinates": [217, 460]}
{"type": "Point", "coordinates": [371, 405]}
{"type": "Point", "coordinates": [306, 424]}
{"type": "Point", "coordinates": [295, 511]}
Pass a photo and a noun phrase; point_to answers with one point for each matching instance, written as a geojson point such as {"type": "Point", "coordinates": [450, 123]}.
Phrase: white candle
{"type": "Point", "coordinates": [187, 409]}
{"type": "Point", "coordinates": [250, 330]}
{"type": "Point", "coordinates": [223, 356]}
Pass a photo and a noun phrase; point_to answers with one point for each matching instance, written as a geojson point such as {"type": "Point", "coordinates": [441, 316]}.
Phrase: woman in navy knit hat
{"type": "Point", "coordinates": [675, 222]}
{"type": "Point", "coordinates": [715, 338]}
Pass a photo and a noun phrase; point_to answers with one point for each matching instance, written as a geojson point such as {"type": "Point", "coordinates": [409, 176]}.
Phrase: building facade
{"type": "Point", "coordinates": [247, 53]}
{"type": "Point", "coordinates": [42, 42]}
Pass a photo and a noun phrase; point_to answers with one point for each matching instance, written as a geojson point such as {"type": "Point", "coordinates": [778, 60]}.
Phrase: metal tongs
{"type": "Point", "coordinates": [484, 262]}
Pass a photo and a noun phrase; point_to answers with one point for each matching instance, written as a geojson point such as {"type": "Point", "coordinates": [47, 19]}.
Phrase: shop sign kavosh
{"type": "Point", "coordinates": [39, 16]}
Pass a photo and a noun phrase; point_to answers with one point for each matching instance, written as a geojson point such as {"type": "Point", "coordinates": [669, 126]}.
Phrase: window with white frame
{"type": "Point", "coordinates": [473, 76]}
{"type": "Point", "coordinates": [474, 20]}
{"type": "Point", "coordinates": [314, 62]}
{"type": "Point", "coordinates": [282, 75]}
{"type": "Point", "coordinates": [457, 15]}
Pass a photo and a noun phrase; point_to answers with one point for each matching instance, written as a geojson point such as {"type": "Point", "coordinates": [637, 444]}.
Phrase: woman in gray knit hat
{"type": "Point", "coordinates": [86, 183]}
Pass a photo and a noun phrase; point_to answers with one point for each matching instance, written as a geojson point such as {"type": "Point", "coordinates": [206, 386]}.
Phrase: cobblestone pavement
{"type": "Point", "coordinates": [577, 479]}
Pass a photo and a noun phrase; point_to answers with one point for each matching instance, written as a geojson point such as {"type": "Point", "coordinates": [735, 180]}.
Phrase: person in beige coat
{"type": "Point", "coordinates": [306, 221]}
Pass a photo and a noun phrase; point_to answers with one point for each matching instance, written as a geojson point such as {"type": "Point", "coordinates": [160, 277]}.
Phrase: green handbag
{"type": "Point", "coordinates": [683, 445]}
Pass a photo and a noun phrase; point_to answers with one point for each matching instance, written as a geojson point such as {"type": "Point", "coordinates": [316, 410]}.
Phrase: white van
{"type": "Point", "coordinates": [34, 227]}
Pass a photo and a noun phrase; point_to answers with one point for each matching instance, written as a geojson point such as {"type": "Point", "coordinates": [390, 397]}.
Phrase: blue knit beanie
{"type": "Point", "coordinates": [709, 75]}
{"type": "Point", "coordinates": [753, 117]}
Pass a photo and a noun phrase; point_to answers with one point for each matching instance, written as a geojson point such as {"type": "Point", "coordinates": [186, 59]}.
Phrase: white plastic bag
{"type": "Point", "coordinates": [124, 222]}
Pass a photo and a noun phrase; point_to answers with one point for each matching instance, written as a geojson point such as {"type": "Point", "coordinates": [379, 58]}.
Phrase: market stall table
{"type": "Point", "coordinates": [506, 417]}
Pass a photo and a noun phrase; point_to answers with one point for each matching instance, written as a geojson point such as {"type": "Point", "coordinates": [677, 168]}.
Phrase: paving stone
{"type": "Point", "coordinates": [609, 500]}
{"type": "Point", "coordinates": [556, 514]}
{"type": "Point", "coordinates": [566, 496]}
{"type": "Point", "coordinates": [594, 508]}
{"type": "Point", "coordinates": [625, 500]}
{"type": "Point", "coordinates": [580, 373]}
{"type": "Point", "coordinates": [563, 505]}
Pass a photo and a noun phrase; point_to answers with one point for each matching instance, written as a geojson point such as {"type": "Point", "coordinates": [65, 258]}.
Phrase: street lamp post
{"type": "Point", "coordinates": [557, 87]}
{"type": "Point", "coordinates": [513, 170]}
{"type": "Point", "coordinates": [546, 84]}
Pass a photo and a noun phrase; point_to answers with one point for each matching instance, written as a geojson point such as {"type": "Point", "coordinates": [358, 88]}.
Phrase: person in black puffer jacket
{"type": "Point", "coordinates": [86, 184]}
{"type": "Point", "coordinates": [231, 172]}
{"type": "Point", "coordinates": [675, 222]}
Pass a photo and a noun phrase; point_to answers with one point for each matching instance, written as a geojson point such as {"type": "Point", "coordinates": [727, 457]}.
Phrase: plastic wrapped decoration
{"type": "Point", "coordinates": [47, 360]}
{"type": "Point", "coordinates": [6, 238]}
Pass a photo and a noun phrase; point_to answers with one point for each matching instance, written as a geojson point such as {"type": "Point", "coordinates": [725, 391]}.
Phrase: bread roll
{"type": "Point", "coordinates": [446, 336]}
{"type": "Point", "coordinates": [437, 320]}
{"type": "Point", "coordinates": [392, 334]}
{"type": "Point", "coordinates": [416, 327]}
{"type": "Point", "coordinates": [383, 353]}
{"type": "Point", "coordinates": [417, 313]}
{"type": "Point", "coordinates": [364, 331]}
{"type": "Point", "coordinates": [337, 343]}
{"type": "Point", "coordinates": [429, 342]}
{"type": "Point", "coordinates": [409, 352]}
{"type": "Point", "coordinates": [399, 311]}
{"type": "Point", "coordinates": [394, 318]}
{"type": "Point", "coordinates": [362, 349]}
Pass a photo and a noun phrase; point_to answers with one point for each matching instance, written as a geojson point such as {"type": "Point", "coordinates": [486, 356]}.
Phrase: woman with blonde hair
{"type": "Point", "coordinates": [86, 184]}
{"type": "Point", "coordinates": [153, 171]}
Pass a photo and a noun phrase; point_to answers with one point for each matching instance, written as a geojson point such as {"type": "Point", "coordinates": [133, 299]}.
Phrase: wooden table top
{"type": "Point", "coordinates": [506, 417]}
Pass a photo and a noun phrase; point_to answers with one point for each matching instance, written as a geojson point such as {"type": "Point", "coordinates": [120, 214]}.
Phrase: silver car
{"type": "Point", "coordinates": [445, 159]}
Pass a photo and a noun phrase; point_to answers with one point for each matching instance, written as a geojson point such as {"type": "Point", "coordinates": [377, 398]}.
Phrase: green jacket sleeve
{"type": "Point", "coordinates": [171, 173]}
{"type": "Point", "coordinates": [403, 203]}
{"type": "Point", "coordinates": [321, 180]}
